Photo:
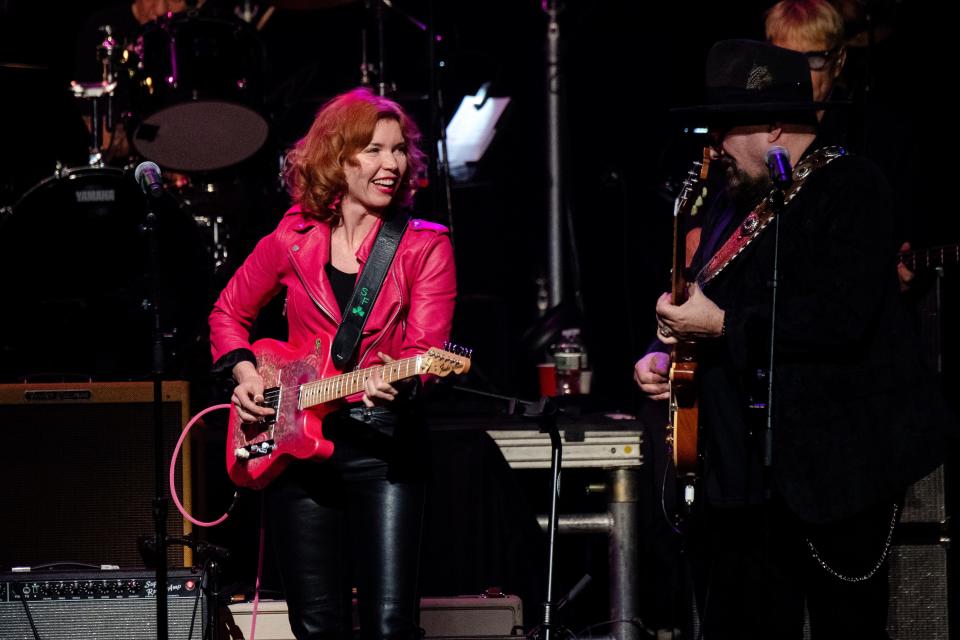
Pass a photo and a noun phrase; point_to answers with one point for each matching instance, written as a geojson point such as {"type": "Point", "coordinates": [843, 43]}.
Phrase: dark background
{"type": "Point", "coordinates": [625, 63]}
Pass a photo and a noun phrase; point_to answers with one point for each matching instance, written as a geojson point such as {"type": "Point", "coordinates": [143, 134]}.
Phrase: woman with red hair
{"type": "Point", "coordinates": [357, 515]}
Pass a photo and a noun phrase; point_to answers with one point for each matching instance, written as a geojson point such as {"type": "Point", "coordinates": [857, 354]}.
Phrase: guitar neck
{"type": "Point", "coordinates": [346, 384]}
{"type": "Point", "coordinates": [931, 258]}
{"type": "Point", "coordinates": [684, 207]}
{"type": "Point", "coordinates": [678, 283]}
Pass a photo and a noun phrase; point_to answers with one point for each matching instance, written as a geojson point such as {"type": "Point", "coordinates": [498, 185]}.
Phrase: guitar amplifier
{"type": "Point", "coordinates": [460, 617]}
{"type": "Point", "coordinates": [103, 605]}
{"type": "Point", "coordinates": [79, 471]}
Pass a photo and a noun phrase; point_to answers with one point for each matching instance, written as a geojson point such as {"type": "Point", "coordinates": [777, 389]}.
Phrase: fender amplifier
{"type": "Point", "coordinates": [79, 471]}
{"type": "Point", "coordinates": [98, 605]}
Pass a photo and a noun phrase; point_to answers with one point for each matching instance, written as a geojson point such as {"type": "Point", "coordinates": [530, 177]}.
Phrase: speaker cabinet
{"type": "Point", "coordinates": [105, 605]}
{"type": "Point", "coordinates": [79, 472]}
{"type": "Point", "coordinates": [918, 593]}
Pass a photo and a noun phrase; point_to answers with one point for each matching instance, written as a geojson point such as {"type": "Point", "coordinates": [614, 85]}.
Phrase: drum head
{"type": "Point", "coordinates": [76, 268]}
{"type": "Point", "coordinates": [201, 136]}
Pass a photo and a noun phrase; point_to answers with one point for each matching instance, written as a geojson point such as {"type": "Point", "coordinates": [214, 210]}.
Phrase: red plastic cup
{"type": "Point", "coordinates": [547, 373]}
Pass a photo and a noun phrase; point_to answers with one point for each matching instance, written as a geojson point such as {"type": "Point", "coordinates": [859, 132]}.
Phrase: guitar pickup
{"type": "Point", "coordinates": [252, 429]}
{"type": "Point", "coordinates": [255, 450]}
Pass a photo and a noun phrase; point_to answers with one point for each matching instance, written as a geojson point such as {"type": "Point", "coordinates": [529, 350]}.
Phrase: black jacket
{"type": "Point", "coordinates": [857, 418]}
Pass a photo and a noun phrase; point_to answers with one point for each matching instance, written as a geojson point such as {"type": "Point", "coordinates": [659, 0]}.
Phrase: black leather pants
{"type": "Point", "coordinates": [354, 519]}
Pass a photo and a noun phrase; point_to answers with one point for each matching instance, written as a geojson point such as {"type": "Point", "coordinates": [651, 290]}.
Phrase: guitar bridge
{"type": "Point", "coordinates": [255, 450]}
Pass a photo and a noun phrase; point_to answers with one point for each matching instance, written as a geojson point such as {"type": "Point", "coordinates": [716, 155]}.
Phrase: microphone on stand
{"type": "Point", "coordinates": [778, 162]}
{"type": "Point", "coordinates": [147, 175]}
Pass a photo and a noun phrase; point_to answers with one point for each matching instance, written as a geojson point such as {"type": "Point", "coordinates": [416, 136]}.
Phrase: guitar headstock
{"type": "Point", "coordinates": [443, 362]}
{"type": "Point", "coordinates": [689, 199]}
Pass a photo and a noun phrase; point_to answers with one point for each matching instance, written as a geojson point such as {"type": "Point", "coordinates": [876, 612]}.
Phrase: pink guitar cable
{"type": "Point", "coordinates": [200, 523]}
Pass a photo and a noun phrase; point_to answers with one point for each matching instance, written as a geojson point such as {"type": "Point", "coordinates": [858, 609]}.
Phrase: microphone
{"type": "Point", "coordinates": [147, 175]}
{"type": "Point", "coordinates": [778, 162]}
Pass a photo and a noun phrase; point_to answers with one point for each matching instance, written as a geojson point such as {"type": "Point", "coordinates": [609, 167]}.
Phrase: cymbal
{"type": "Point", "coordinates": [309, 5]}
{"type": "Point", "coordinates": [23, 65]}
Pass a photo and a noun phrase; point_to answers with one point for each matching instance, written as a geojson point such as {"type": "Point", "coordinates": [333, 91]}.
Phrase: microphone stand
{"type": "Point", "coordinates": [777, 197]}
{"type": "Point", "coordinates": [160, 502]}
{"type": "Point", "coordinates": [544, 413]}
{"type": "Point", "coordinates": [207, 555]}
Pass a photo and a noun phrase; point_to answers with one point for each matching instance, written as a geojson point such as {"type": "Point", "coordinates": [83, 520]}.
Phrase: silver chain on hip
{"type": "Point", "coordinates": [876, 567]}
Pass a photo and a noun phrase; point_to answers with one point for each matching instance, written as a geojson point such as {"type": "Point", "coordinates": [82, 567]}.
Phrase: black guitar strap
{"type": "Point", "coordinates": [368, 287]}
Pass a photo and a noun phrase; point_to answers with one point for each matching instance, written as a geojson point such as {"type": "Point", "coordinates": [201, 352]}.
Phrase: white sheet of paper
{"type": "Point", "coordinates": [471, 130]}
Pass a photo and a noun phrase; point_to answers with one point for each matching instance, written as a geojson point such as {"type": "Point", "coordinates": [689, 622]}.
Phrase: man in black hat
{"type": "Point", "coordinates": [803, 509]}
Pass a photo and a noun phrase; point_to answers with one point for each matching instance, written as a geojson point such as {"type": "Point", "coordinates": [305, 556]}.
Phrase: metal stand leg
{"type": "Point", "coordinates": [624, 553]}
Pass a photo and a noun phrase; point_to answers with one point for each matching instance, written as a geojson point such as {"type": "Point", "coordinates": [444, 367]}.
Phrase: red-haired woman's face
{"type": "Point", "coordinates": [375, 173]}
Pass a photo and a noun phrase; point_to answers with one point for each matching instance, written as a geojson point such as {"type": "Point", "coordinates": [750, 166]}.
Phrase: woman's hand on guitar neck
{"type": "Point", "coordinates": [376, 390]}
{"type": "Point", "coordinates": [248, 394]}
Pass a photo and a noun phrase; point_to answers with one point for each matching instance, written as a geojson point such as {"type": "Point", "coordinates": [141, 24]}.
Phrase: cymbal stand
{"type": "Point", "coordinates": [94, 92]}
{"type": "Point", "coordinates": [100, 96]}
{"type": "Point", "coordinates": [376, 8]}
{"type": "Point", "coordinates": [437, 132]}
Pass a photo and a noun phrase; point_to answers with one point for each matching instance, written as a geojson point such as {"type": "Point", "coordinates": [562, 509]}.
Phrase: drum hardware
{"type": "Point", "coordinates": [77, 234]}
{"type": "Point", "coordinates": [309, 5]}
{"type": "Point", "coordinates": [199, 92]}
{"type": "Point", "coordinates": [203, 203]}
{"type": "Point", "coordinates": [99, 95]}
{"type": "Point", "coordinates": [102, 96]}
{"type": "Point", "coordinates": [218, 235]}
{"type": "Point", "coordinates": [436, 132]}
{"type": "Point", "coordinates": [246, 11]}
{"type": "Point", "coordinates": [106, 52]}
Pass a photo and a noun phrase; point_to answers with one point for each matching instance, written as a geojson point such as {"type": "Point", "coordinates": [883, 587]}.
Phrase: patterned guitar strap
{"type": "Point", "coordinates": [765, 212]}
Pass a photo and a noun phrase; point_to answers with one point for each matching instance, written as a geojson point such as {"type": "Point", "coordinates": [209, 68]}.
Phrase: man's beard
{"type": "Point", "coordinates": [745, 191]}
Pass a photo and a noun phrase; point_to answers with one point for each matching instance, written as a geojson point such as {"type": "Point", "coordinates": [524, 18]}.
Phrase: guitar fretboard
{"type": "Point", "coordinates": [931, 258]}
{"type": "Point", "coordinates": [345, 384]}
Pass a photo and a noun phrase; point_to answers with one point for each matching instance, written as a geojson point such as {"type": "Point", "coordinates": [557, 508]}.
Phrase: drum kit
{"type": "Point", "coordinates": [190, 95]}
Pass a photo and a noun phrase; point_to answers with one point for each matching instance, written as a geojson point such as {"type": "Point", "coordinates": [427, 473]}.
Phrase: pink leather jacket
{"type": "Point", "coordinates": [413, 312]}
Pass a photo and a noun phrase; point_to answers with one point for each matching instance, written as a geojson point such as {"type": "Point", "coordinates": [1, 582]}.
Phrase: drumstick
{"type": "Point", "coordinates": [262, 22]}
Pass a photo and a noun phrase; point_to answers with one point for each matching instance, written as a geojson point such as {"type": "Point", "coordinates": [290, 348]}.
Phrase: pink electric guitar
{"type": "Point", "coordinates": [301, 395]}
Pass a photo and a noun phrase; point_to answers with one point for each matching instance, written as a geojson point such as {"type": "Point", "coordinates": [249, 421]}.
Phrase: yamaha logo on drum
{"type": "Point", "coordinates": [96, 195]}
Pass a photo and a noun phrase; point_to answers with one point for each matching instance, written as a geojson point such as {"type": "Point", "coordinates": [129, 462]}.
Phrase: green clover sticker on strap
{"type": "Point", "coordinates": [358, 311]}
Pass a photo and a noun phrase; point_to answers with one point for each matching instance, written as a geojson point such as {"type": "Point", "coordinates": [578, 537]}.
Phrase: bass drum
{"type": "Point", "coordinates": [199, 92]}
{"type": "Point", "coordinates": [76, 266]}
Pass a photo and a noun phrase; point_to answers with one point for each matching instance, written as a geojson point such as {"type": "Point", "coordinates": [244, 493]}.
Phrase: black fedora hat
{"type": "Point", "coordinates": [748, 77]}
